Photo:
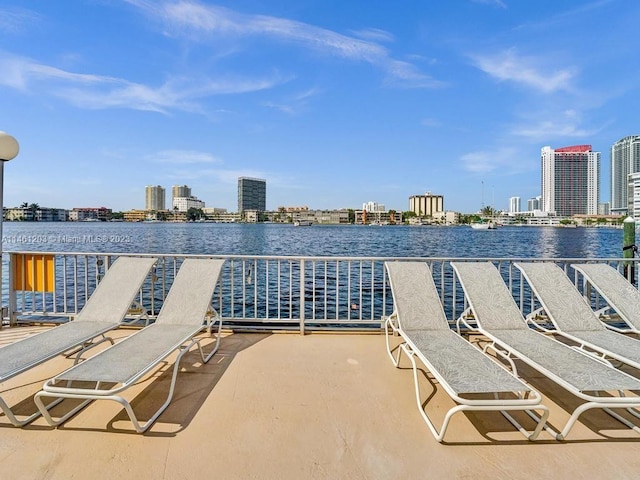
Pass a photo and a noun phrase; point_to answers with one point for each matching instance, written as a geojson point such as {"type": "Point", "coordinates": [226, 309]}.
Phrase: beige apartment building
{"type": "Point", "coordinates": [427, 205]}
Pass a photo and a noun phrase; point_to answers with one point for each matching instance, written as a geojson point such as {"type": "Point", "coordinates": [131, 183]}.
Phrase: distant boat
{"type": "Point", "coordinates": [482, 225]}
{"type": "Point", "coordinates": [302, 223]}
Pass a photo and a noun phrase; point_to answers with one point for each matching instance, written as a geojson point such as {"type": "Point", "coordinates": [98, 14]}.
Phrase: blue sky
{"type": "Point", "coordinates": [334, 103]}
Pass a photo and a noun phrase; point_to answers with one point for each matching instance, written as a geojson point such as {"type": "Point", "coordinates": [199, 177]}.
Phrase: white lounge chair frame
{"type": "Point", "coordinates": [493, 312]}
{"type": "Point", "coordinates": [572, 316]}
{"type": "Point", "coordinates": [616, 290]}
{"type": "Point", "coordinates": [186, 311]}
{"type": "Point", "coordinates": [105, 310]}
{"type": "Point", "coordinates": [459, 367]}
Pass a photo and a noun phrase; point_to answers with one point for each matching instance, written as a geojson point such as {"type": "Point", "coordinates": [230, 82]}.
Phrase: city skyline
{"type": "Point", "coordinates": [332, 103]}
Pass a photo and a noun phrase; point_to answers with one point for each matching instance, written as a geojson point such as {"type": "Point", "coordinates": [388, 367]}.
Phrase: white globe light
{"type": "Point", "coordinates": [8, 147]}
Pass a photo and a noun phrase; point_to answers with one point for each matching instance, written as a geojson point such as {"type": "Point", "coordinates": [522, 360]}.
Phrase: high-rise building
{"type": "Point", "coordinates": [625, 159]}
{"type": "Point", "coordinates": [533, 204]}
{"type": "Point", "coordinates": [252, 194]}
{"type": "Point", "coordinates": [373, 207]}
{"type": "Point", "coordinates": [514, 205]}
{"type": "Point", "coordinates": [570, 180]}
{"type": "Point", "coordinates": [154, 198]}
{"type": "Point", "coordinates": [180, 191]}
{"type": "Point", "coordinates": [426, 205]}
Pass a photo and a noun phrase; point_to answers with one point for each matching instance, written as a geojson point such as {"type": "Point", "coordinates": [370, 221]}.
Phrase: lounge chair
{"type": "Point", "coordinates": [496, 315]}
{"type": "Point", "coordinates": [572, 316]}
{"type": "Point", "coordinates": [463, 370]}
{"type": "Point", "coordinates": [105, 310]}
{"type": "Point", "coordinates": [617, 291]}
{"type": "Point", "coordinates": [181, 318]}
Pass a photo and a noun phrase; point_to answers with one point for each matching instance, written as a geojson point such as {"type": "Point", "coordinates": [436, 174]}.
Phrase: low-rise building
{"type": "Point", "coordinates": [41, 214]}
{"type": "Point", "coordinates": [84, 214]}
{"type": "Point", "coordinates": [391, 217]}
{"type": "Point", "coordinates": [135, 215]}
{"type": "Point", "coordinates": [183, 204]}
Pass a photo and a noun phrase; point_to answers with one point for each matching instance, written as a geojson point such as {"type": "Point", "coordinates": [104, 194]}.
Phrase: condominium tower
{"type": "Point", "coordinates": [154, 198]}
{"type": "Point", "coordinates": [570, 180]}
{"type": "Point", "coordinates": [625, 160]}
{"type": "Point", "coordinates": [514, 205]}
{"type": "Point", "coordinates": [180, 191]}
{"type": "Point", "coordinates": [252, 194]}
{"type": "Point", "coordinates": [426, 205]}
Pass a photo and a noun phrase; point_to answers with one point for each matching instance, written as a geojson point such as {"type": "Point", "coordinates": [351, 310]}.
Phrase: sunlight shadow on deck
{"type": "Point", "coordinates": [194, 384]}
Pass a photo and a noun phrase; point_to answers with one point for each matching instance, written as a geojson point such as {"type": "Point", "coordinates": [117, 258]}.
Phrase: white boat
{"type": "Point", "coordinates": [482, 225]}
{"type": "Point", "coordinates": [302, 223]}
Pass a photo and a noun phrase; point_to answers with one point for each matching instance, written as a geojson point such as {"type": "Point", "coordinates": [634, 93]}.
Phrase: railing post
{"type": "Point", "coordinates": [12, 292]}
{"type": "Point", "coordinates": [629, 247]}
{"type": "Point", "coordinates": [302, 296]}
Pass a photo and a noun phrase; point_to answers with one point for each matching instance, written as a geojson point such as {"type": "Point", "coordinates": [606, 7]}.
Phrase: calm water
{"type": "Point", "coordinates": [338, 240]}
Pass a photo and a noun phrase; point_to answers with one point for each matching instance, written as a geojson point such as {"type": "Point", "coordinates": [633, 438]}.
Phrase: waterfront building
{"type": "Point", "coordinates": [362, 217]}
{"type": "Point", "coordinates": [625, 160]}
{"type": "Point", "coordinates": [570, 180]}
{"type": "Point", "coordinates": [426, 205]}
{"type": "Point", "coordinates": [283, 209]}
{"type": "Point", "coordinates": [252, 194]}
{"type": "Point", "coordinates": [39, 214]}
{"type": "Point", "coordinates": [183, 204]}
{"type": "Point", "coordinates": [633, 195]}
{"type": "Point", "coordinates": [155, 198]}
{"type": "Point", "coordinates": [88, 214]}
{"type": "Point", "coordinates": [150, 216]}
{"type": "Point", "coordinates": [514, 205]}
{"type": "Point", "coordinates": [134, 215]}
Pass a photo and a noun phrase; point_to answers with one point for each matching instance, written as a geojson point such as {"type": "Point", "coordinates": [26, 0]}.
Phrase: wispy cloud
{"type": "Point", "coordinates": [99, 92]}
{"type": "Point", "coordinates": [526, 70]}
{"type": "Point", "coordinates": [14, 20]}
{"type": "Point", "coordinates": [505, 160]}
{"type": "Point", "coordinates": [494, 3]}
{"type": "Point", "coordinates": [567, 124]}
{"type": "Point", "coordinates": [430, 122]}
{"type": "Point", "coordinates": [293, 104]}
{"type": "Point", "coordinates": [201, 22]}
{"type": "Point", "coordinates": [373, 35]}
{"type": "Point", "coordinates": [178, 157]}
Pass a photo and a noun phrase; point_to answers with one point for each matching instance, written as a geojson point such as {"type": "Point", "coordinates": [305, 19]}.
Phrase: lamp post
{"type": "Point", "coordinates": [8, 150]}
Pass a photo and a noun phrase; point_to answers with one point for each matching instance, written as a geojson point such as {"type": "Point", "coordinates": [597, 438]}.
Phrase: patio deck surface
{"type": "Point", "coordinates": [286, 406]}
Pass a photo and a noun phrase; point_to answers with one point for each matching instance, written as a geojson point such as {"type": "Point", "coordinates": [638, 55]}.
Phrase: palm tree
{"type": "Point", "coordinates": [33, 209]}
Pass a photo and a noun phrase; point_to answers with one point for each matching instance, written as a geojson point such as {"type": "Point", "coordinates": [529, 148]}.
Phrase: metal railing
{"type": "Point", "coordinates": [255, 292]}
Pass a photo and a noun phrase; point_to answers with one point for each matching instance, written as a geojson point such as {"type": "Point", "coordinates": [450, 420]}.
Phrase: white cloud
{"type": "Point", "coordinates": [374, 35]}
{"type": "Point", "coordinates": [294, 103]}
{"type": "Point", "coordinates": [567, 124]}
{"type": "Point", "coordinates": [182, 157]}
{"type": "Point", "coordinates": [430, 122]}
{"type": "Point", "coordinates": [197, 21]}
{"type": "Point", "coordinates": [13, 20]}
{"type": "Point", "coordinates": [100, 92]}
{"type": "Point", "coordinates": [504, 160]}
{"type": "Point", "coordinates": [529, 71]}
{"type": "Point", "coordinates": [496, 3]}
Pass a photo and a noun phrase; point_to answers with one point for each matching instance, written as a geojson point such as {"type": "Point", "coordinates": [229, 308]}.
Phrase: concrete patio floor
{"type": "Point", "coordinates": [285, 406]}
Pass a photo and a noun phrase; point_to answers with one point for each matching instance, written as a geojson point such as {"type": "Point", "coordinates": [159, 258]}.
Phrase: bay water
{"type": "Point", "coordinates": [315, 240]}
